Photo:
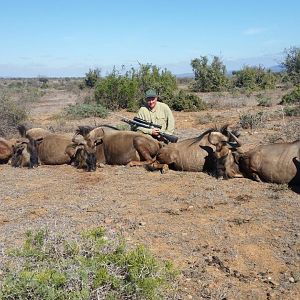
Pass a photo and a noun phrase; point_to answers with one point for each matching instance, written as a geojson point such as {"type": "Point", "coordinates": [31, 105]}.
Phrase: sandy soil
{"type": "Point", "coordinates": [234, 239]}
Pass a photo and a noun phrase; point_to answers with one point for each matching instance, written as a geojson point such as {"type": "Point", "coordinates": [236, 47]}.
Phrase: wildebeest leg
{"type": "Point", "coordinates": [155, 166]}
{"type": "Point", "coordinates": [256, 177]}
{"type": "Point", "coordinates": [144, 149]}
{"type": "Point", "coordinates": [136, 163]}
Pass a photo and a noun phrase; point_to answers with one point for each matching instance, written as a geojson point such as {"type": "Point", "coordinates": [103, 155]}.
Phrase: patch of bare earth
{"type": "Point", "coordinates": [234, 239]}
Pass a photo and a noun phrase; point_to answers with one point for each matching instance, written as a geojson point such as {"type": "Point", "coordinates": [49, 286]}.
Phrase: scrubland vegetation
{"type": "Point", "coordinates": [53, 267]}
{"type": "Point", "coordinates": [124, 89]}
{"type": "Point", "coordinates": [93, 265]}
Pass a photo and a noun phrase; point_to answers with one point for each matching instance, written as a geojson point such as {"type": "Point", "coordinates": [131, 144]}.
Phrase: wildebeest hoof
{"type": "Point", "coordinates": [165, 169]}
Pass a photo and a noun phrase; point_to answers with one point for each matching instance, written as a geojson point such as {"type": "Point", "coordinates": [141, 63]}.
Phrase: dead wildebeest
{"type": "Point", "coordinates": [6, 149]}
{"type": "Point", "coordinates": [33, 133]}
{"type": "Point", "coordinates": [120, 147]}
{"type": "Point", "coordinates": [193, 154]}
{"type": "Point", "coordinates": [54, 149]}
{"type": "Point", "coordinates": [276, 163]}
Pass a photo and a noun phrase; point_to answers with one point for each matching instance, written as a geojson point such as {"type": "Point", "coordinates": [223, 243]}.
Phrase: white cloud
{"type": "Point", "coordinates": [254, 30]}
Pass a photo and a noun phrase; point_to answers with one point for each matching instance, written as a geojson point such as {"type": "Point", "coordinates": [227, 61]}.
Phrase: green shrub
{"type": "Point", "coordinates": [12, 113]}
{"type": "Point", "coordinates": [292, 111]}
{"type": "Point", "coordinates": [91, 267]}
{"type": "Point", "coordinates": [251, 121]}
{"type": "Point", "coordinates": [254, 78]}
{"type": "Point", "coordinates": [118, 90]}
{"type": "Point", "coordinates": [92, 77]}
{"type": "Point", "coordinates": [293, 97]}
{"type": "Point", "coordinates": [264, 101]}
{"type": "Point", "coordinates": [292, 64]}
{"type": "Point", "coordinates": [85, 110]}
{"type": "Point", "coordinates": [187, 101]}
{"type": "Point", "coordinates": [209, 78]}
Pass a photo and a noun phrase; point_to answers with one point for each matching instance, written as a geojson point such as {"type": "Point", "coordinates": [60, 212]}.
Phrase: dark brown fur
{"type": "Point", "coordinates": [277, 163]}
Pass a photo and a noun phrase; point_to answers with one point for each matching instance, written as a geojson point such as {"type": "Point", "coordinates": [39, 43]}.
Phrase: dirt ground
{"type": "Point", "coordinates": [231, 239]}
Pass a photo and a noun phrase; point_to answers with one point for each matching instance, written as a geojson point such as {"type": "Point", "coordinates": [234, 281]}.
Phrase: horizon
{"type": "Point", "coordinates": [55, 40]}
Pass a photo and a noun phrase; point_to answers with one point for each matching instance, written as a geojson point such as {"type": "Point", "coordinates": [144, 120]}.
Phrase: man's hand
{"type": "Point", "coordinates": [155, 131]}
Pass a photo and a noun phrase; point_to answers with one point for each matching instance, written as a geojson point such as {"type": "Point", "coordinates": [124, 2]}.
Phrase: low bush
{"type": "Point", "coordinates": [264, 101]}
{"type": "Point", "coordinates": [251, 121]}
{"type": "Point", "coordinates": [292, 111]}
{"type": "Point", "coordinates": [85, 110]}
{"type": "Point", "coordinates": [254, 78]}
{"type": "Point", "coordinates": [292, 97]}
{"type": "Point", "coordinates": [94, 266]}
{"type": "Point", "coordinates": [187, 102]}
{"type": "Point", "coordinates": [11, 114]}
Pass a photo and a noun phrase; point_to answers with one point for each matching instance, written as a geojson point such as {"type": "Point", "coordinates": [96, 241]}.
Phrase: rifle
{"type": "Point", "coordinates": [142, 123]}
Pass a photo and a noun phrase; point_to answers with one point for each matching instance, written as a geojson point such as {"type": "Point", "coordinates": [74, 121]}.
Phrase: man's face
{"type": "Point", "coordinates": [151, 102]}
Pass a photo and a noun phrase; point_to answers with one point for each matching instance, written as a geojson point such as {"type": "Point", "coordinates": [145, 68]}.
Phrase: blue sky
{"type": "Point", "coordinates": [67, 38]}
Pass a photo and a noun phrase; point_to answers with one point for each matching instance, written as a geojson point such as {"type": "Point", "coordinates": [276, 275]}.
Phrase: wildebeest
{"type": "Point", "coordinates": [6, 150]}
{"type": "Point", "coordinates": [33, 133]}
{"type": "Point", "coordinates": [120, 147]}
{"type": "Point", "coordinates": [54, 149]}
{"type": "Point", "coordinates": [193, 154]}
{"type": "Point", "coordinates": [276, 163]}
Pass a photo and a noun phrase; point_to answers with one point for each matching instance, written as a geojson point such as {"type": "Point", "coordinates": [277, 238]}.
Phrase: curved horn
{"type": "Point", "coordinates": [22, 130]}
{"type": "Point", "coordinates": [238, 143]}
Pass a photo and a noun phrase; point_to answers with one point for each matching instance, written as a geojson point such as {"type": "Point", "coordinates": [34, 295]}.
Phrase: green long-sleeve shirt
{"type": "Point", "coordinates": [161, 114]}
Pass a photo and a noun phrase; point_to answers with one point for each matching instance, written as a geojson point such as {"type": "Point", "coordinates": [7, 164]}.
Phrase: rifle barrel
{"type": "Point", "coordinates": [147, 123]}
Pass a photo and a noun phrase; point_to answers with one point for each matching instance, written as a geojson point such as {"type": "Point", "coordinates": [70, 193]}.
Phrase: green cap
{"type": "Point", "coordinates": [151, 93]}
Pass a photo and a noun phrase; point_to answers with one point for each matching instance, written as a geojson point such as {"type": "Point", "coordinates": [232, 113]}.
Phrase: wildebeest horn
{"type": "Point", "coordinates": [22, 130]}
{"type": "Point", "coordinates": [238, 143]}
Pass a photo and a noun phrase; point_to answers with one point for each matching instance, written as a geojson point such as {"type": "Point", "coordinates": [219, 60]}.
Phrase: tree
{"type": "Point", "coordinates": [292, 64]}
{"type": "Point", "coordinates": [92, 77]}
{"type": "Point", "coordinates": [118, 90]}
{"type": "Point", "coordinates": [209, 78]}
{"type": "Point", "coordinates": [254, 78]}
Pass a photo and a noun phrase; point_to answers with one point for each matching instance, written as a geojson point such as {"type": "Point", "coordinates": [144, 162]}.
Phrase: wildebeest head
{"type": "Point", "coordinates": [84, 149]}
{"type": "Point", "coordinates": [227, 155]}
{"type": "Point", "coordinates": [90, 135]}
{"type": "Point", "coordinates": [25, 154]}
{"type": "Point", "coordinates": [84, 158]}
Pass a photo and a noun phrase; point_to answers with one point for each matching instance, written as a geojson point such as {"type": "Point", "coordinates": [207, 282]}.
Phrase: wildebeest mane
{"type": "Point", "coordinates": [84, 130]}
{"type": "Point", "coordinates": [202, 135]}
